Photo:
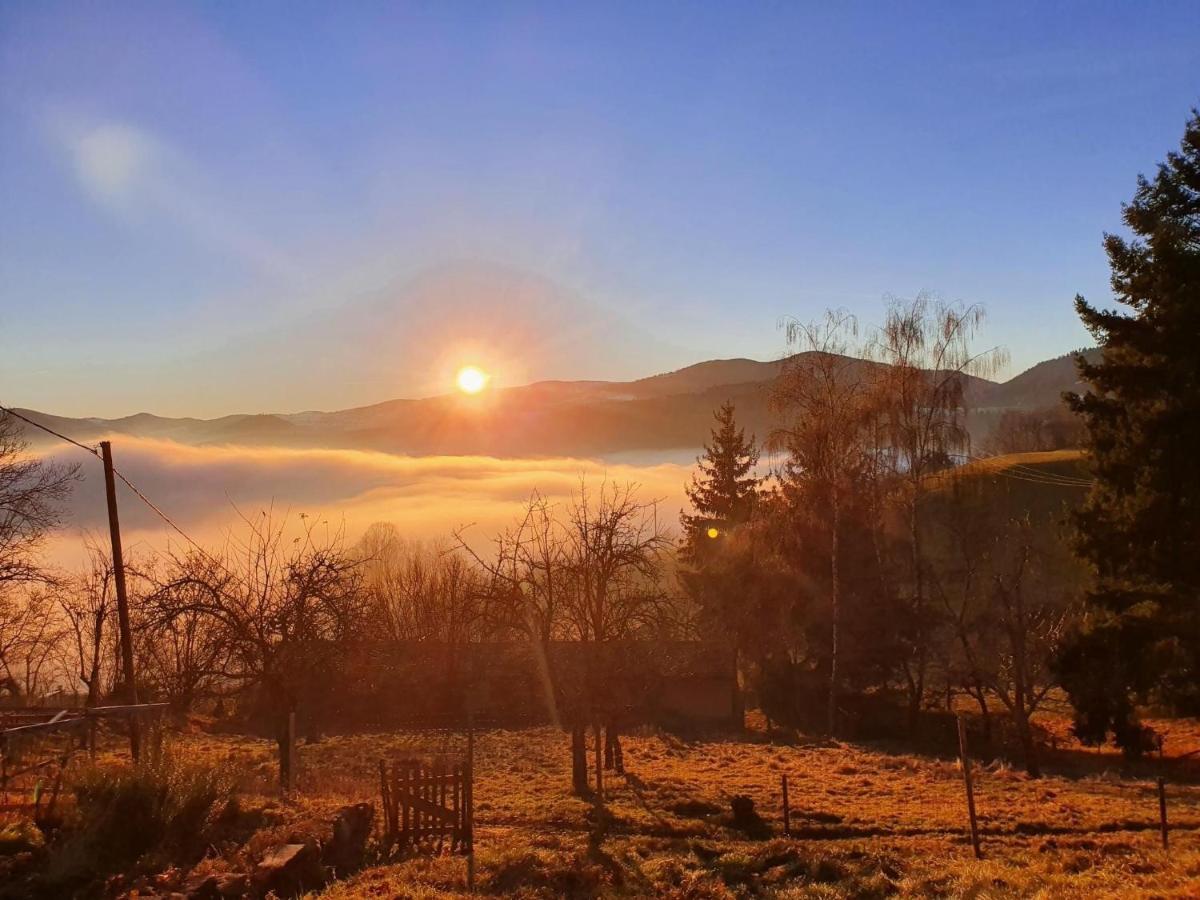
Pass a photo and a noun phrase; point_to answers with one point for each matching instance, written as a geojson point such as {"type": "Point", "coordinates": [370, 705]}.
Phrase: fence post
{"type": "Point", "coordinates": [787, 813]}
{"type": "Point", "coordinates": [966, 770]}
{"type": "Point", "coordinates": [287, 760]}
{"type": "Point", "coordinates": [1162, 809]}
{"type": "Point", "coordinates": [469, 799]}
{"type": "Point", "coordinates": [599, 763]}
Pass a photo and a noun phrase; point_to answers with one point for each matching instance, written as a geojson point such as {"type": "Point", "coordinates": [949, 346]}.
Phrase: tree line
{"type": "Point", "coordinates": [284, 597]}
{"type": "Point", "coordinates": [864, 569]}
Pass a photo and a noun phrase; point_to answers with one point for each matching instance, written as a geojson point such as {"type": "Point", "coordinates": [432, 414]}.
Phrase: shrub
{"type": "Point", "coordinates": [125, 811]}
{"type": "Point", "coordinates": [19, 837]}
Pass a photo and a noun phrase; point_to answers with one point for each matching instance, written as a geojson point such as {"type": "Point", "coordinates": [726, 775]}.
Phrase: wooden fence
{"type": "Point", "coordinates": [427, 806]}
{"type": "Point", "coordinates": [35, 753]}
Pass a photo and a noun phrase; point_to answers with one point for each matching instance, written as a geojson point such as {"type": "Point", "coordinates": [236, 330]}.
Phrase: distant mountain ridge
{"type": "Point", "coordinates": [671, 410]}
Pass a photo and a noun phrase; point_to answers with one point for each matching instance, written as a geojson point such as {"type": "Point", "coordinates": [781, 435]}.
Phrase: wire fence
{"type": "Point", "coordinates": [38, 746]}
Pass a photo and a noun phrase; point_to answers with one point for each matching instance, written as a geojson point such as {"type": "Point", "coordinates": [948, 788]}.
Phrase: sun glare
{"type": "Point", "coordinates": [472, 379]}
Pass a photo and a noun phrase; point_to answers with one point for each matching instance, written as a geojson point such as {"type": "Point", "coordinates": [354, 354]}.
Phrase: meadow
{"type": "Point", "coordinates": [867, 820]}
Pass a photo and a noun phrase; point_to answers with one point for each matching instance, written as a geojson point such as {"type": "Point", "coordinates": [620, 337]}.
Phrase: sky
{"type": "Point", "coordinates": [240, 207]}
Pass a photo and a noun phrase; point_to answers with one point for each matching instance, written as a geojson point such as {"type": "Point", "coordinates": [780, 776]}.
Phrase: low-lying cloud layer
{"type": "Point", "coordinates": [203, 488]}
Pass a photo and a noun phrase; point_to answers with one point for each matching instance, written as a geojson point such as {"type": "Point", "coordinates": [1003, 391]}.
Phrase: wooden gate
{"type": "Point", "coordinates": [426, 806]}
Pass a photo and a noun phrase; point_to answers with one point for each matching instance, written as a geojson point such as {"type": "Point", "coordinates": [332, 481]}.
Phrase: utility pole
{"type": "Point", "coordinates": [114, 532]}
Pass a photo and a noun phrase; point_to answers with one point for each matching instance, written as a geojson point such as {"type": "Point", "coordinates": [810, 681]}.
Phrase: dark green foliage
{"type": "Point", "coordinates": [724, 489]}
{"type": "Point", "coordinates": [720, 557]}
{"type": "Point", "coordinates": [1140, 525]}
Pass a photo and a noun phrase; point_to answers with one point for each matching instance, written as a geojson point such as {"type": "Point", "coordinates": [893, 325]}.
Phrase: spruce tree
{"type": "Point", "coordinates": [1139, 527]}
{"type": "Point", "coordinates": [723, 491]}
{"type": "Point", "coordinates": [718, 553]}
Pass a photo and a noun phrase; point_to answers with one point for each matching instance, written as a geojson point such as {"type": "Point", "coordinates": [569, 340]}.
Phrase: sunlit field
{"type": "Point", "coordinates": [866, 821]}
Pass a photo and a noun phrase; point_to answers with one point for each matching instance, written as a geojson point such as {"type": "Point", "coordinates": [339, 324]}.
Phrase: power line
{"type": "Point", "coordinates": [133, 487]}
{"type": "Point", "coordinates": [1029, 470]}
{"type": "Point", "coordinates": [1016, 477]}
{"type": "Point", "coordinates": [1023, 472]}
{"type": "Point", "coordinates": [162, 515]}
{"type": "Point", "coordinates": [62, 437]}
{"type": "Point", "coordinates": [1037, 478]}
{"type": "Point", "coordinates": [1028, 474]}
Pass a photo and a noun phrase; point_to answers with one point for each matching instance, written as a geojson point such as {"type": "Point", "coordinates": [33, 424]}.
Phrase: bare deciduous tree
{"type": "Point", "coordinates": [85, 602]}
{"type": "Point", "coordinates": [282, 598]}
{"type": "Point", "coordinates": [30, 491]}
{"type": "Point", "coordinates": [527, 584]}
{"type": "Point", "coordinates": [614, 545]}
{"type": "Point", "coordinates": [926, 348]}
{"type": "Point", "coordinates": [1006, 584]}
{"type": "Point", "coordinates": [419, 592]}
{"type": "Point", "coordinates": [29, 636]}
{"type": "Point", "coordinates": [588, 573]}
{"type": "Point", "coordinates": [185, 652]}
{"type": "Point", "coordinates": [824, 398]}
{"type": "Point", "coordinates": [1024, 431]}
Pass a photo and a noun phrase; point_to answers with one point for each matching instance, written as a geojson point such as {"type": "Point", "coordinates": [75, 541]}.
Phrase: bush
{"type": "Point", "coordinates": [124, 812]}
{"type": "Point", "coordinates": [20, 837]}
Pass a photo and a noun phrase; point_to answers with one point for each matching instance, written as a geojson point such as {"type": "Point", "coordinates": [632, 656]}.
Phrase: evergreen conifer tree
{"type": "Point", "coordinates": [1139, 528]}
{"type": "Point", "coordinates": [723, 491]}
{"type": "Point", "coordinates": [721, 574]}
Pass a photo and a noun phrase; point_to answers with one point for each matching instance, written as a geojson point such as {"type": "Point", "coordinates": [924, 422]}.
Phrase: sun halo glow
{"type": "Point", "coordinates": [471, 379]}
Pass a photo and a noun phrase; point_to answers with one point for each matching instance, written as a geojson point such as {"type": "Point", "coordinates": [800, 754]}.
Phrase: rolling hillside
{"type": "Point", "coordinates": [662, 412]}
{"type": "Point", "coordinates": [1045, 486]}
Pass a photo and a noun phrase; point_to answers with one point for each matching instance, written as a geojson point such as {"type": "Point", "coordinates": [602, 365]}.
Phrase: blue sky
{"type": "Point", "coordinates": [187, 187]}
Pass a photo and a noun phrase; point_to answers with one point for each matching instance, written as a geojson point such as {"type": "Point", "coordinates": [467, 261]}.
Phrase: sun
{"type": "Point", "coordinates": [472, 379]}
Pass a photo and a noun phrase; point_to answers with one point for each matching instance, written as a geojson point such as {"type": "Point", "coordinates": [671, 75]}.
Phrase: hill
{"type": "Point", "coordinates": [664, 412]}
{"type": "Point", "coordinates": [1043, 384]}
{"type": "Point", "coordinates": [1043, 486]}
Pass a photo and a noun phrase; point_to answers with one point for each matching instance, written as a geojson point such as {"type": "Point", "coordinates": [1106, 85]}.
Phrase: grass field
{"type": "Point", "coordinates": [866, 822]}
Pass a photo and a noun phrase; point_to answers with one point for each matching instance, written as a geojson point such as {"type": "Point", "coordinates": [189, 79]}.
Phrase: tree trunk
{"type": "Point", "coordinates": [1020, 708]}
{"type": "Point", "coordinates": [93, 682]}
{"type": "Point", "coordinates": [579, 767]}
{"type": "Point", "coordinates": [285, 758]}
{"type": "Point", "coordinates": [917, 681]}
{"type": "Point", "coordinates": [835, 601]}
{"type": "Point", "coordinates": [1025, 735]}
{"type": "Point", "coordinates": [738, 701]}
{"type": "Point", "coordinates": [599, 765]}
{"type": "Point", "coordinates": [1014, 604]}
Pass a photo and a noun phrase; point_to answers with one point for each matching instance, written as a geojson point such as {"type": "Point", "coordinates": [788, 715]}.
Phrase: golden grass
{"type": "Point", "coordinates": [866, 822]}
{"type": "Point", "coordinates": [1031, 458]}
{"type": "Point", "coordinates": [1024, 468]}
